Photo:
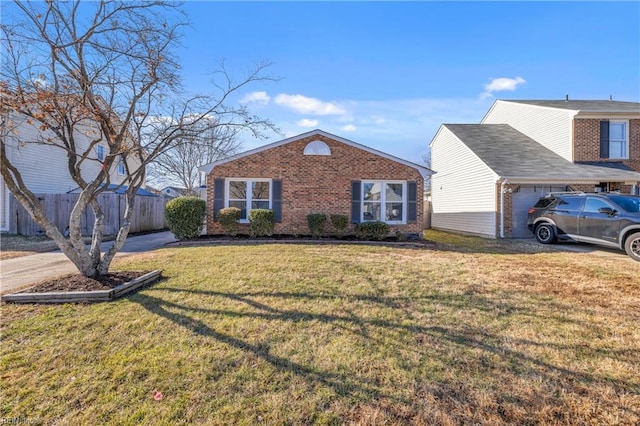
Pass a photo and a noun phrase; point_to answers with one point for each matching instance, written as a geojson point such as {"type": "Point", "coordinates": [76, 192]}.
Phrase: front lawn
{"type": "Point", "coordinates": [322, 334]}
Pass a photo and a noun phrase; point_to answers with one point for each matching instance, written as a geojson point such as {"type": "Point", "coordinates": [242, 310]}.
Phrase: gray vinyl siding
{"type": "Point", "coordinates": [44, 168]}
{"type": "Point", "coordinates": [4, 206]}
{"type": "Point", "coordinates": [463, 188]}
{"type": "Point", "coordinates": [551, 127]}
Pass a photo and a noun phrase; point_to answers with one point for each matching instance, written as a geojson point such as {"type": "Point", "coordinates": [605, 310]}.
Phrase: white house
{"type": "Point", "coordinates": [44, 167]}
{"type": "Point", "coordinates": [174, 191]}
{"type": "Point", "coordinates": [489, 174]}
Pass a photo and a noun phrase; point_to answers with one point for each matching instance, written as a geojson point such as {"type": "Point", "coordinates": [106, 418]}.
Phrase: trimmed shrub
{"type": "Point", "coordinates": [340, 223]}
{"type": "Point", "coordinates": [401, 236]}
{"type": "Point", "coordinates": [261, 222]}
{"type": "Point", "coordinates": [228, 219]}
{"type": "Point", "coordinates": [185, 216]}
{"type": "Point", "coordinates": [371, 230]}
{"type": "Point", "coordinates": [316, 222]}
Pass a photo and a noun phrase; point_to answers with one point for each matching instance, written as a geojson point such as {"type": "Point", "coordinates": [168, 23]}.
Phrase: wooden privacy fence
{"type": "Point", "coordinates": [427, 213]}
{"type": "Point", "coordinates": [148, 214]}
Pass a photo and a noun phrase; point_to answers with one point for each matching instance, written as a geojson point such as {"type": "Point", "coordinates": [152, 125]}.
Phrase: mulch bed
{"type": "Point", "coordinates": [77, 282]}
{"type": "Point", "coordinates": [288, 238]}
{"type": "Point", "coordinates": [291, 237]}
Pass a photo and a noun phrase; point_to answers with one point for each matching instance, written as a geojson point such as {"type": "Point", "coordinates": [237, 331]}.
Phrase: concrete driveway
{"type": "Point", "coordinates": [21, 272]}
{"type": "Point", "coordinates": [605, 252]}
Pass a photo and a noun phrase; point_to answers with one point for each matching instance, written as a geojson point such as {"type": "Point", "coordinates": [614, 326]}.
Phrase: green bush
{"type": "Point", "coordinates": [228, 219]}
{"type": "Point", "coordinates": [340, 223]}
{"type": "Point", "coordinates": [316, 222]}
{"type": "Point", "coordinates": [400, 236]}
{"type": "Point", "coordinates": [261, 222]}
{"type": "Point", "coordinates": [185, 216]}
{"type": "Point", "coordinates": [371, 230]}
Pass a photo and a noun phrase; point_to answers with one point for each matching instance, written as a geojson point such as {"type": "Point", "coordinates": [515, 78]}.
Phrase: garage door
{"type": "Point", "coordinates": [524, 198]}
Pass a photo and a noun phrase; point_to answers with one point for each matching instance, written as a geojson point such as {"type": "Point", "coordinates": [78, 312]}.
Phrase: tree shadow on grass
{"type": "Point", "coordinates": [343, 385]}
{"type": "Point", "coordinates": [447, 339]}
{"type": "Point", "coordinates": [501, 307]}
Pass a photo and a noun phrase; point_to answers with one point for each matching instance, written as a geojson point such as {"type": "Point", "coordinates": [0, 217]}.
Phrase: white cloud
{"type": "Point", "coordinates": [41, 83]}
{"type": "Point", "coordinates": [400, 127]}
{"type": "Point", "coordinates": [501, 84]}
{"type": "Point", "coordinates": [305, 105]}
{"type": "Point", "coordinates": [378, 119]}
{"type": "Point", "coordinates": [258, 97]}
{"type": "Point", "coordinates": [305, 122]}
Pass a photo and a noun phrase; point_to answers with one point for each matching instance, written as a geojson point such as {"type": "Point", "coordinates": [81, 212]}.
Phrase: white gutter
{"type": "Point", "coordinates": [504, 182]}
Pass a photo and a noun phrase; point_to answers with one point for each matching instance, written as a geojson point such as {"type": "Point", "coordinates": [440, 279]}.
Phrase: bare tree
{"type": "Point", "coordinates": [426, 159]}
{"type": "Point", "coordinates": [179, 164]}
{"type": "Point", "coordinates": [106, 70]}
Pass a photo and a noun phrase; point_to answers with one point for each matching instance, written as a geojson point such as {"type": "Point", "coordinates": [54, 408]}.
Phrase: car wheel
{"type": "Point", "coordinates": [632, 246]}
{"type": "Point", "coordinates": [545, 233]}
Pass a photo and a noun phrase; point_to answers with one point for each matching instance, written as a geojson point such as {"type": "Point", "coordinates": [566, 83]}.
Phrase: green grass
{"type": "Point", "coordinates": [318, 334]}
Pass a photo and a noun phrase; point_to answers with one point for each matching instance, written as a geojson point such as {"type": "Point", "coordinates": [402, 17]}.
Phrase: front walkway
{"type": "Point", "coordinates": [21, 272]}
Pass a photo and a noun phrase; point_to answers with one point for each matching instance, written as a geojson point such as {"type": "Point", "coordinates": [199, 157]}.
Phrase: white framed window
{"type": "Point", "coordinates": [317, 148]}
{"type": "Point", "coordinates": [100, 152]}
{"type": "Point", "coordinates": [121, 170]}
{"type": "Point", "coordinates": [384, 201]}
{"type": "Point", "coordinates": [619, 139]}
{"type": "Point", "coordinates": [247, 194]}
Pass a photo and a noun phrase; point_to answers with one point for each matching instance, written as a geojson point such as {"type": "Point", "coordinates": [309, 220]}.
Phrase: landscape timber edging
{"type": "Point", "coordinates": [84, 296]}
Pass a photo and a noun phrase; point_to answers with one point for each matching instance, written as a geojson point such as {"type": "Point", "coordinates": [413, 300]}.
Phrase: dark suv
{"type": "Point", "coordinates": [608, 219]}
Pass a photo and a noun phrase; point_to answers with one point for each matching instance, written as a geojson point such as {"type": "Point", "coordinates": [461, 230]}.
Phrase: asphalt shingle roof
{"type": "Point", "coordinates": [511, 154]}
{"type": "Point", "coordinates": [585, 106]}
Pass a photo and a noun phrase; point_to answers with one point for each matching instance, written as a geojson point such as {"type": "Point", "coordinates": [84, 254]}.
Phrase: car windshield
{"type": "Point", "coordinates": [630, 204]}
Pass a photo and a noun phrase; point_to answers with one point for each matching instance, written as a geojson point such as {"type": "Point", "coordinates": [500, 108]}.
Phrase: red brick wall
{"type": "Point", "coordinates": [613, 186]}
{"type": "Point", "coordinates": [587, 142]}
{"type": "Point", "coordinates": [314, 183]}
{"type": "Point", "coordinates": [508, 209]}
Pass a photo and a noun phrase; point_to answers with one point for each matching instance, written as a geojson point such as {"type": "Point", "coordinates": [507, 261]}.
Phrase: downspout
{"type": "Point", "coordinates": [502, 184]}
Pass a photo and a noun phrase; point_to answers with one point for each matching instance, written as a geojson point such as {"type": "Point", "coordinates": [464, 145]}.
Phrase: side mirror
{"type": "Point", "coordinates": [607, 210]}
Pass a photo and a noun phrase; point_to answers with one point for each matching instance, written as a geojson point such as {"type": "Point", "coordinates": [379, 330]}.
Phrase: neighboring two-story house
{"type": "Point", "coordinates": [43, 167]}
{"type": "Point", "coordinates": [489, 174]}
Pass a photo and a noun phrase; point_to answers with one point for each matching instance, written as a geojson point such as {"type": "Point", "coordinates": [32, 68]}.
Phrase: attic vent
{"type": "Point", "coordinates": [317, 148]}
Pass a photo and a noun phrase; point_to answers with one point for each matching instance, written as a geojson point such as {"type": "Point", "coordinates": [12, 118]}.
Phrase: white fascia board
{"type": "Point", "coordinates": [608, 115]}
{"type": "Point", "coordinates": [433, 139]}
{"type": "Point", "coordinates": [559, 180]}
{"type": "Point", "coordinates": [571, 111]}
{"type": "Point", "coordinates": [489, 111]}
{"type": "Point", "coordinates": [424, 171]}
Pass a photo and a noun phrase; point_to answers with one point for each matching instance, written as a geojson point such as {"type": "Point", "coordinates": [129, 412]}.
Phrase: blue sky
{"type": "Point", "coordinates": [387, 74]}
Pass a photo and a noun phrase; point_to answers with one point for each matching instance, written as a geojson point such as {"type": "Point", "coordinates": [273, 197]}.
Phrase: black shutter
{"type": "Point", "coordinates": [412, 202]}
{"type": "Point", "coordinates": [604, 139]}
{"type": "Point", "coordinates": [218, 197]}
{"type": "Point", "coordinates": [276, 198]}
{"type": "Point", "coordinates": [355, 201]}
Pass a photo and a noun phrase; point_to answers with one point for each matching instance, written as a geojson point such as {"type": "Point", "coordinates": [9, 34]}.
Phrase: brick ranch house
{"type": "Point", "coordinates": [489, 174]}
{"type": "Point", "coordinates": [317, 172]}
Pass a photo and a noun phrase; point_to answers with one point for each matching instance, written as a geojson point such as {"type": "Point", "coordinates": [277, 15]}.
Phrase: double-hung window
{"type": "Point", "coordinates": [100, 152]}
{"type": "Point", "coordinates": [384, 201]}
{"type": "Point", "coordinates": [618, 140]}
{"type": "Point", "coordinates": [248, 194]}
{"type": "Point", "coordinates": [614, 139]}
{"type": "Point", "coordinates": [121, 169]}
